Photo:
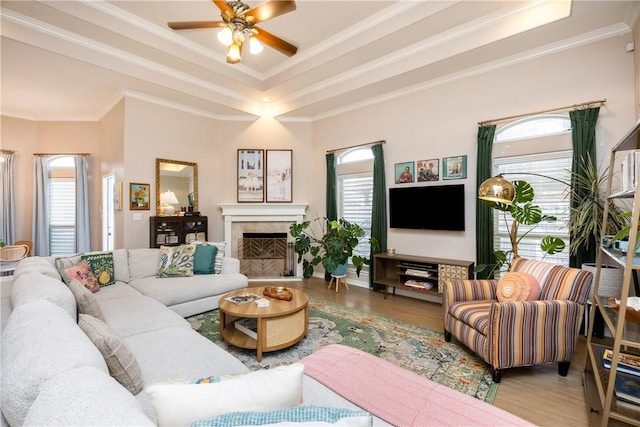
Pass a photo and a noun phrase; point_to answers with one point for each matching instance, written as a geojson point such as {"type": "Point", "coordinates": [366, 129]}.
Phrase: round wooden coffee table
{"type": "Point", "coordinates": [280, 325]}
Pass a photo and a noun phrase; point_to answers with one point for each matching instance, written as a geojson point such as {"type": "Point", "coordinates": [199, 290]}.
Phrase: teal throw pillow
{"type": "Point", "coordinates": [176, 261]}
{"type": "Point", "coordinates": [204, 259]}
{"type": "Point", "coordinates": [101, 265]}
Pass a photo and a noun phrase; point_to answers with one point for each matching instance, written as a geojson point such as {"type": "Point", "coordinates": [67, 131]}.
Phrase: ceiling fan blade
{"type": "Point", "coordinates": [269, 10]}
{"type": "Point", "coordinates": [276, 42]}
{"type": "Point", "coordinates": [225, 8]}
{"type": "Point", "coordinates": [190, 25]}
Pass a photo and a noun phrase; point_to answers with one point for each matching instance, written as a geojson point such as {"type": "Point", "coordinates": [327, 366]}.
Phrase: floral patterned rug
{"type": "Point", "coordinates": [413, 347]}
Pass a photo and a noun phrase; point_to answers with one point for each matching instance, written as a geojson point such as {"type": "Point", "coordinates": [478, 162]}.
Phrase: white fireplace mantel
{"type": "Point", "coordinates": [272, 212]}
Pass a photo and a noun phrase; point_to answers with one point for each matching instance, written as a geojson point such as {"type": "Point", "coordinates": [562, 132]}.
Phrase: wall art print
{"type": "Point", "coordinates": [279, 176]}
{"type": "Point", "coordinates": [454, 167]}
{"type": "Point", "coordinates": [139, 196]}
{"type": "Point", "coordinates": [428, 170]}
{"type": "Point", "coordinates": [404, 172]}
{"type": "Point", "coordinates": [117, 195]}
{"type": "Point", "coordinates": [250, 176]}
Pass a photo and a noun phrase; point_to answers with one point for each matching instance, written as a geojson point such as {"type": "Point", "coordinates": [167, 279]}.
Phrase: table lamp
{"type": "Point", "coordinates": [167, 200]}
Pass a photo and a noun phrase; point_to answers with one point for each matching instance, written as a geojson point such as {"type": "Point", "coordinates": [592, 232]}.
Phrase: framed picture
{"type": "Point", "coordinates": [279, 178]}
{"type": "Point", "coordinates": [428, 170]}
{"type": "Point", "coordinates": [250, 176]}
{"type": "Point", "coordinates": [139, 196]}
{"type": "Point", "coordinates": [404, 172]}
{"type": "Point", "coordinates": [454, 167]}
{"type": "Point", "coordinates": [117, 195]}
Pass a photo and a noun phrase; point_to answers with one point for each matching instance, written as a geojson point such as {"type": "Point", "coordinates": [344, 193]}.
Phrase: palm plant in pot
{"type": "Point", "coordinates": [330, 243]}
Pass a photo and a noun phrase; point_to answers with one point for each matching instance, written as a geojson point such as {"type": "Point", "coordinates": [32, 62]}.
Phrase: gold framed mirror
{"type": "Point", "coordinates": [176, 186]}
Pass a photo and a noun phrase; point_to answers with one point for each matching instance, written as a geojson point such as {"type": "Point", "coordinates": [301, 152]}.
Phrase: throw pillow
{"type": "Point", "coordinates": [299, 415]}
{"type": "Point", "coordinates": [62, 263]}
{"type": "Point", "coordinates": [517, 286]}
{"type": "Point", "coordinates": [263, 390]}
{"type": "Point", "coordinates": [83, 274]}
{"type": "Point", "coordinates": [176, 261]}
{"type": "Point", "coordinates": [120, 361]}
{"type": "Point", "coordinates": [85, 300]}
{"type": "Point", "coordinates": [204, 259]}
{"type": "Point", "coordinates": [219, 255]}
{"type": "Point", "coordinates": [101, 264]}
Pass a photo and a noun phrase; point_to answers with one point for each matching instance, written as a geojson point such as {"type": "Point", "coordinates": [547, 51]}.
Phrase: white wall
{"type": "Point", "coordinates": [442, 121]}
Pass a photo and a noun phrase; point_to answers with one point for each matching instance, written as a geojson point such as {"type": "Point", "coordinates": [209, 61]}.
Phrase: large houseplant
{"type": "Point", "coordinates": [328, 242]}
{"type": "Point", "coordinates": [525, 217]}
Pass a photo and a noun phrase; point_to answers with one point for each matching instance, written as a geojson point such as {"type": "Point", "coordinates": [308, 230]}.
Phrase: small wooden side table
{"type": "Point", "coordinates": [280, 325]}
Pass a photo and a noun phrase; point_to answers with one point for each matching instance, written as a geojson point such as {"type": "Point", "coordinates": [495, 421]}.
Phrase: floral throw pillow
{"type": "Point", "coordinates": [176, 261]}
{"type": "Point", "coordinates": [101, 264]}
{"type": "Point", "coordinates": [83, 274]}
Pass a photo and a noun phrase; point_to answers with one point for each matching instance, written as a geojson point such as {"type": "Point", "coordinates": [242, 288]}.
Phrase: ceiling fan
{"type": "Point", "coordinates": [239, 24]}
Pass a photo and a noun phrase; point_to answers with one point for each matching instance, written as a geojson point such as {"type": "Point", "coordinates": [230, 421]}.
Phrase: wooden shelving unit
{"type": "Point", "coordinates": [176, 230]}
{"type": "Point", "coordinates": [395, 270]}
{"type": "Point", "coordinates": [603, 406]}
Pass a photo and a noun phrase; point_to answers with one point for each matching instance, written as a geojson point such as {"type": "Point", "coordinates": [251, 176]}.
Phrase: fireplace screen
{"type": "Point", "coordinates": [265, 254]}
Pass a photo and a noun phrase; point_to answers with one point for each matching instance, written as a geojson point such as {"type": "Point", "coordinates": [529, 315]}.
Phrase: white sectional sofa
{"type": "Point", "coordinates": [59, 343]}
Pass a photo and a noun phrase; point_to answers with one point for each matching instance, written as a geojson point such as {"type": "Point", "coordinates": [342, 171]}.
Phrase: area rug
{"type": "Point", "coordinates": [412, 347]}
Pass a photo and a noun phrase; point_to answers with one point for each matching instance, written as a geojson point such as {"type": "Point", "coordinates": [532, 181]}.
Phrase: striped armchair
{"type": "Point", "coordinates": [523, 333]}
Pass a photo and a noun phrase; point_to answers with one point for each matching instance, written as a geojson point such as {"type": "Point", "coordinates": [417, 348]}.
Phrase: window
{"type": "Point", "coordinates": [355, 191]}
{"type": "Point", "coordinates": [62, 206]}
{"type": "Point", "coordinates": [537, 145]}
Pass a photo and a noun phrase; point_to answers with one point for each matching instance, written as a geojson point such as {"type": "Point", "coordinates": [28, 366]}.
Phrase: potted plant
{"type": "Point", "coordinates": [522, 212]}
{"type": "Point", "coordinates": [330, 243]}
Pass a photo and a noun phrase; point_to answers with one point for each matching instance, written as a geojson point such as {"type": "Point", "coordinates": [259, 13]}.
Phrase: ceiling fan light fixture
{"type": "Point", "coordinates": [233, 54]}
{"type": "Point", "coordinates": [225, 36]}
{"type": "Point", "coordinates": [255, 46]}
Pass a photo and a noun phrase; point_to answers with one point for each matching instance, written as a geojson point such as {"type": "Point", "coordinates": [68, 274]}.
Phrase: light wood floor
{"type": "Point", "coordinates": [537, 394]}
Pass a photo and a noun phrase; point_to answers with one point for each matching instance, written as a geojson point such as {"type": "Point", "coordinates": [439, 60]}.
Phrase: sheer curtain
{"type": "Point", "coordinates": [40, 229]}
{"type": "Point", "coordinates": [7, 214]}
{"type": "Point", "coordinates": [83, 231]}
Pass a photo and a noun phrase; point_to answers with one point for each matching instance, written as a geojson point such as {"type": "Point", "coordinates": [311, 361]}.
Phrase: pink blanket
{"type": "Point", "coordinates": [399, 396]}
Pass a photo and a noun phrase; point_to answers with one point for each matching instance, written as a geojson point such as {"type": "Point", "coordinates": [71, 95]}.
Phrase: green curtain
{"type": "Point", "coordinates": [378, 206]}
{"type": "Point", "coordinates": [484, 214]}
{"type": "Point", "coordinates": [583, 136]}
{"type": "Point", "coordinates": [331, 196]}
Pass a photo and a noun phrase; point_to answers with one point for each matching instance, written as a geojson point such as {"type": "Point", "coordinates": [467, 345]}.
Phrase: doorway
{"type": "Point", "coordinates": [108, 208]}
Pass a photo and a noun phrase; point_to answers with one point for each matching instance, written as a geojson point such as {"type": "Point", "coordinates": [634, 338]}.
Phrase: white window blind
{"type": "Point", "coordinates": [355, 192]}
{"type": "Point", "coordinates": [550, 195]}
{"type": "Point", "coordinates": [62, 215]}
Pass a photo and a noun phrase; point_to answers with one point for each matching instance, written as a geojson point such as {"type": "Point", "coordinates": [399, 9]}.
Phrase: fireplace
{"type": "Point", "coordinates": [268, 253]}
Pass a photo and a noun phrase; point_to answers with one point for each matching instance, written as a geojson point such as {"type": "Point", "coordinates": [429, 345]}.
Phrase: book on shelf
{"type": "Point", "coordinates": [627, 388]}
{"type": "Point", "coordinates": [415, 272]}
{"type": "Point", "coordinates": [627, 363]}
{"type": "Point", "coordinates": [243, 298]}
{"type": "Point", "coordinates": [418, 285]}
{"type": "Point", "coordinates": [248, 326]}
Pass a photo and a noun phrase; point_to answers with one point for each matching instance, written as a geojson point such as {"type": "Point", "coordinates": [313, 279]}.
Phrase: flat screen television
{"type": "Point", "coordinates": [434, 207]}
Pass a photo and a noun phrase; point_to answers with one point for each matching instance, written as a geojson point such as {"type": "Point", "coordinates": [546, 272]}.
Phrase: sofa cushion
{"type": "Point", "coordinates": [143, 262]}
{"type": "Point", "coordinates": [39, 342]}
{"type": "Point", "coordinates": [85, 396]}
{"type": "Point", "coordinates": [267, 389]}
{"type": "Point", "coordinates": [176, 261]}
{"type": "Point", "coordinates": [182, 354]}
{"type": "Point", "coordinates": [304, 415]}
{"type": "Point", "coordinates": [120, 361]}
{"type": "Point", "coordinates": [85, 300]}
{"type": "Point", "coordinates": [62, 263]}
{"type": "Point", "coordinates": [204, 259]}
{"type": "Point", "coordinates": [36, 264]}
{"type": "Point", "coordinates": [177, 290]}
{"type": "Point", "coordinates": [517, 286]}
{"type": "Point", "coordinates": [83, 274]}
{"type": "Point", "coordinates": [101, 265]}
{"type": "Point", "coordinates": [473, 313]}
{"type": "Point", "coordinates": [37, 286]}
{"type": "Point", "coordinates": [136, 315]}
